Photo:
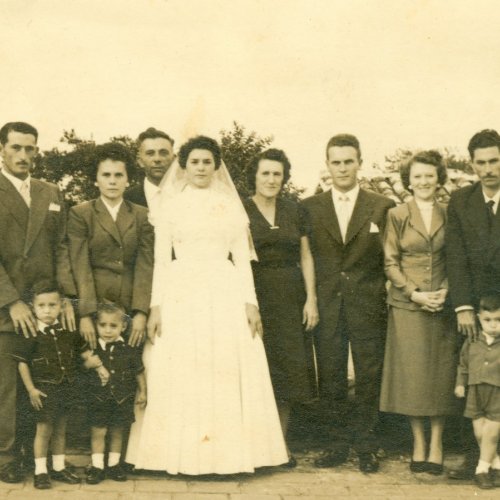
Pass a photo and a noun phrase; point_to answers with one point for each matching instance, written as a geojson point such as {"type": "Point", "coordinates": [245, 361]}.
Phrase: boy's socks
{"type": "Point", "coordinates": [58, 462]}
{"type": "Point", "coordinates": [496, 463]}
{"type": "Point", "coordinates": [40, 466]}
{"type": "Point", "coordinates": [98, 460]}
{"type": "Point", "coordinates": [482, 467]}
{"type": "Point", "coordinates": [113, 458]}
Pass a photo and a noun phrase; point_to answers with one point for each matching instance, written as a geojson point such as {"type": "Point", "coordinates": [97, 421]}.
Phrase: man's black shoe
{"type": "Point", "coordinates": [484, 481]}
{"type": "Point", "coordinates": [42, 482]}
{"type": "Point", "coordinates": [462, 473]}
{"type": "Point", "coordinates": [65, 476]}
{"type": "Point", "coordinates": [116, 473]}
{"type": "Point", "coordinates": [13, 472]}
{"type": "Point", "coordinates": [332, 459]}
{"type": "Point", "coordinates": [94, 475]}
{"type": "Point", "coordinates": [368, 463]}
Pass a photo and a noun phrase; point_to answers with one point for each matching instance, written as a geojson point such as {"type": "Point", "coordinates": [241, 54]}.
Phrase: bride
{"type": "Point", "coordinates": [210, 406]}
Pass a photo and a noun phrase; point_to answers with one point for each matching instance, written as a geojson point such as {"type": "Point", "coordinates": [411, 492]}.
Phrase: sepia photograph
{"type": "Point", "coordinates": [249, 249]}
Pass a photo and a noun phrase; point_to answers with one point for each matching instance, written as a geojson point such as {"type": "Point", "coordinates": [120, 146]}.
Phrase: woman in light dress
{"type": "Point", "coordinates": [211, 408]}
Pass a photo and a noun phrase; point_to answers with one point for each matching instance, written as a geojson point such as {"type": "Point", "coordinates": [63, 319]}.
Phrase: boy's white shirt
{"type": "Point", "coordinates": [41, 325]}
{"type": "Point", "coordinates": [103, 343]}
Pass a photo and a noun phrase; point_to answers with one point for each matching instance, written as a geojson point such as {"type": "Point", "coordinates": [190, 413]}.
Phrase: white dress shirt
{"type": "Point", "coordinates": [344, 206]}
{"type": "Point", "coordinates": [22, 186]}
{"type": "Point", "coordinates": [113, 211]}
{"type": "Point", "coordinates": [153, 196]}
{"type": "Point", "coordinates": [103, 343]}
{"type": "Point", "coordinates": [495, 199]}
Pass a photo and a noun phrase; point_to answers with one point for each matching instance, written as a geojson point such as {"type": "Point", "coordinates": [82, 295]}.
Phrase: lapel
{"type": "Point", "coordinates": [13, 202]}
{"type": "Point", "coordinates": [361, 213]}
{"type": "Point", "coordinates": [477, 214]}
{"type": "Point", "coordinates": [415, 220]}
{"type": "Point", "coordinates": [40, 200]}
{"type": "Point", "coordinates": [438, 218]}
{"type": "Point", "coordinates": [329, 216]}
{"type": "Point", "coordinates": [125, 218]}
{"type": "Point", "coordinates": [106, 221]}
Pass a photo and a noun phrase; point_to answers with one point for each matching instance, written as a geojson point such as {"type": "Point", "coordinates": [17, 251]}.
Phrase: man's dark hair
{"type": "Point", "coordinates": [344, 140]}
{"type": "Point", "coordinates": [153, 133]}
{"type": "Point", "coordinates": [489, 303]}
{"type": "Point", "coordinates": [21, 127]}
{"type": "Point", "coordinates": [487, 138]}
{"type": "Point", "coordinates": [112, 151]}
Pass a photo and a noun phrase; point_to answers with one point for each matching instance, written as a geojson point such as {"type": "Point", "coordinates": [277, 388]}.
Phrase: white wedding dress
{"type": "Point", "coordinates": [211, 407]}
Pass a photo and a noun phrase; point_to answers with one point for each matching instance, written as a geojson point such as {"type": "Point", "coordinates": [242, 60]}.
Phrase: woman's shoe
{"type": "Point", "coordinates": [434, 469]}
{"type": "Point", "coordinates": [418, 467]}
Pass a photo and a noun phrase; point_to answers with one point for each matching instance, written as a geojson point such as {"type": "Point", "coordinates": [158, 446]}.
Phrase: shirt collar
{"type": "Point", "coordinates": [489, 339]}
{"type": "Point", "coordinates": [41, 325]}
{"type": "Point", "coordinates": [150, 189]}
{"type": "Point", "coordinates": [495, 198]}
{"type": "Point", "coordinates": [103, 343]}
{"type": "Point", "coordinates": [15, 181]}
{"type": "Point", "coordinates": [352, 194]}
{"type": "Point", "coordinates": [112, 210]}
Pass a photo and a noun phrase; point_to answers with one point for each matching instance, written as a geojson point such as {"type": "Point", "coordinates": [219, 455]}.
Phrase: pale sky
{"type": "Point", "coordinates": [397, 73]}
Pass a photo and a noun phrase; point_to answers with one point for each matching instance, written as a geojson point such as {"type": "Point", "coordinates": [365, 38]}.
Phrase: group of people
{"type": "Point", "coordinates": [193, 310]}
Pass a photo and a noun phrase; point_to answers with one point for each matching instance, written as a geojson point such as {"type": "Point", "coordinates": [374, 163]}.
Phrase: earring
{"type": "Point", "coordinates": [410, 186]}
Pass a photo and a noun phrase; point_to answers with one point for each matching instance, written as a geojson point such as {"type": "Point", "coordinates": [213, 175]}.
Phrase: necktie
{"type": "Point", "coordinates": [52, 329]}
{"type": "Point", "coordinates": [343, 215]}
{"type": "Point", "coordinates": [491, 214]}
{"type": "Point", "coordinates": [24, 191]}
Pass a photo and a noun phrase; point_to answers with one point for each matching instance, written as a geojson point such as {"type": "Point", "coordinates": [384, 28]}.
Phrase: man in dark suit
{"type": "Point", "coordinates": [347, 226]}
{"type": "Point", "coordinates": [33, 248]}
{"type": "Point", "coordinates": [155, 155]}
{"type": "Point", "coordinates": [473, 252]}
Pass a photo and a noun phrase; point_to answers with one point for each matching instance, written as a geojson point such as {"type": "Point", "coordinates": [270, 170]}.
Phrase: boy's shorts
{"type": "Point", "coordinates": [483, 400]}
{"type": "Point", "coordinates": [59, 401]}
{"type": "Point", "coordinates": [109, 413]}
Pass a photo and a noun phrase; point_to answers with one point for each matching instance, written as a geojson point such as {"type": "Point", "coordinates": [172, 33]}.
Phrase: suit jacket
{"type": "Point", "coordinates": [34, 246]}
{"type": "Point", "coordinates": [111, 261]}
{"type": "Point", "coordinates": [349, 275]}
{"type": "Point", "coordinates": [136, 194]}
{"type": "Point", "coordinates": [472, 251]}
{"type": "Point", "coordinates": [413, 258]}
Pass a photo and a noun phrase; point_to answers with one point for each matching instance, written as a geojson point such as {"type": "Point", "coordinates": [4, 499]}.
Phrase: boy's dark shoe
{"type": "Point", "coordinates": [42, 482]}
{"type": "Point", "coordinates": [332, 458]}
{"type": "Point", "coordinates": [13, 472]}
{"type": "Point", "coordinates": [484, 481]}
{"type": "Point", "coordinates": [116, 473]}
{"type": "Point", "coordinates": [94, 475]}
{"type": "Point", "coordinates": [495, 477]}
{"type": "Point", "coordinates": [463, 473]}
{"type": "Point", "coordinates": [368, 463]}
{"type": "Point", "coordinates": [65, 476]}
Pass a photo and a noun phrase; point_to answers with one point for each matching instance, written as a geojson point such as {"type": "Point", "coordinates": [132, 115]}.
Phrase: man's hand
{"type": "Point", "coordinates": [23, 318]}
{"type": "Point", "coordinates": [36, 398]}
{"type": "Point", "coordinates": [141, 399]}
{"type": "Point", "coordinates": [138, 331]}
{"type": "Point", "coordinates": [310, 316]}
{"type": "Point", "coordinates": [154, 323]}
{"type": "Point", "coordinates": [68, 320]}
{"type": "Point", "coordinates": [467, 324]}
{"type": "Point", "coordinates": [87, 331]}
{"type": "Point", "coordinates": [460, 391]}
{"type": "Point", "coordinates": [254, 321]}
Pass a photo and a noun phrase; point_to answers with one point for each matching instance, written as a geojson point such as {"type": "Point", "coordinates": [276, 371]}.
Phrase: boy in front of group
{"type": "Point", "coordinates": [111, 406]}
{"type": "Point", "coordinates": [48, 366]}
{"type": "Point", "coordinates": [479, 368]}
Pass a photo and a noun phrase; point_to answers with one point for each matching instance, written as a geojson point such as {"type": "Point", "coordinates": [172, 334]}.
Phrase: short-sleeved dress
{"type": "Point", "coordinates": [281, 297]}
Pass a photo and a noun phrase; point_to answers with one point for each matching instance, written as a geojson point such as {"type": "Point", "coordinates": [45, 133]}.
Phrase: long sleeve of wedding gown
{"type": "Point", "coordinates": [240, 251]}
{"type": "Point", "coordinates": [163, 259]}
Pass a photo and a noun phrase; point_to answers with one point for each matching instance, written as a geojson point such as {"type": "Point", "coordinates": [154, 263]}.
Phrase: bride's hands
{"type": "Point", "coordinates": [254, 321]}
{"type": "Point", "coordinates": [154, 324]}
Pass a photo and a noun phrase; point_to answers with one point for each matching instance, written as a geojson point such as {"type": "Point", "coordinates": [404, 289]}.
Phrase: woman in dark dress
{"type": "Point", "coordinates": [284, 280]}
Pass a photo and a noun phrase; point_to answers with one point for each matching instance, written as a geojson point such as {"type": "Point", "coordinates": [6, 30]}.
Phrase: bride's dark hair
{"type": "Point", "coordinates": [200, 142]}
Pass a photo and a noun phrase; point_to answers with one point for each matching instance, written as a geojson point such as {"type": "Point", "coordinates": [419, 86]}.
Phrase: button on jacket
{"type": "Point", "coordinates": [414, 258]}
{"type": "Point", "coordinates": [479, 363]}
{"type": "Point", "coordinates": [52, 358]}
{"type": "Point", "coordinates": [123, 363]}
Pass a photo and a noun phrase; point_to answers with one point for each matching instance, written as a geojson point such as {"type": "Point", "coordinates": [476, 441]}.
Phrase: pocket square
{"type": "Point", "coordinates": [54, 207]}
{"type": "Point", "coordinates": [374, 228]}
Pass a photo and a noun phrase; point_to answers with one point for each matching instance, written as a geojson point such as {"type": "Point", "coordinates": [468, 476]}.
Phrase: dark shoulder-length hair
{"type": "Point", "coordinates": [269, 154]}
{"type": "Point", "coordinates": [431, 157]}
{"type": "Point", "coordinates": [200, 142]}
